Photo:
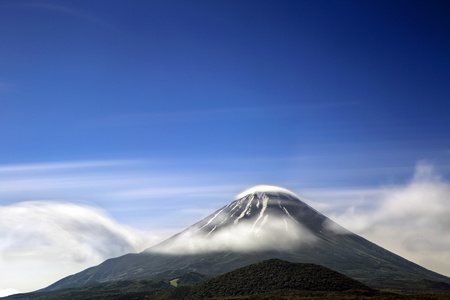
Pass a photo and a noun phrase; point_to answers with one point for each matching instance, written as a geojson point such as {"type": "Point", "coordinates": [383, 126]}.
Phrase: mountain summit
{"type": "Point", "coordinates": [262, 218]}
{"type": "Point", "coordinates": [264, 222]}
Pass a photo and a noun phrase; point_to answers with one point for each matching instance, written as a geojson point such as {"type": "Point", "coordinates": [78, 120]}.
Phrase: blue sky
{"type": "Point", "coordinates": [155, 113]}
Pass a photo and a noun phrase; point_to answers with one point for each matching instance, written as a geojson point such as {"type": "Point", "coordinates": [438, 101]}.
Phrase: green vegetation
{"type": "Point", "coordinates": [174, 282]}
{"type": "Point", "coordinates": [190, 278]}
{"type": "Point", "coordinates": [316, 295]}
{"type": "Point", "coordinates": [275, 274]}
{"type": "Point", "coordinates": [270, 279]}
{"type": "Point", "coordinates": [107, 290]}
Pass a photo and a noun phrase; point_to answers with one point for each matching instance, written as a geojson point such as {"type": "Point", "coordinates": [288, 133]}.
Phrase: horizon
{"type": "Point", "coordinates": [123, 123]}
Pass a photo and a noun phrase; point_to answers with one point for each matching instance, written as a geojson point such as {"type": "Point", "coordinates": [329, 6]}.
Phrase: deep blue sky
{"type": "Point", "coordinates": [303, 94]}
{"type": "Point", "coordinates": [218, 79]}
{"type": "Point", "coordinates": [164, 110]}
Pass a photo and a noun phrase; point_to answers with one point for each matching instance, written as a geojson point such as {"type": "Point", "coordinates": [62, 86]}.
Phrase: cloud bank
{"type": "Point", "coordinates": [7, 292]}
{"type": "Point", "coordinates": [49, 240]}
{"type": "Point", "coordinates": [411, 220]}
{"type": "Point", "coordinates": [273, 234]}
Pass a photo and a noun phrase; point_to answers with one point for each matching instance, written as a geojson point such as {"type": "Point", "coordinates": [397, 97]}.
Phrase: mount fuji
{"type": "Point", "coordinates": [264, 222]}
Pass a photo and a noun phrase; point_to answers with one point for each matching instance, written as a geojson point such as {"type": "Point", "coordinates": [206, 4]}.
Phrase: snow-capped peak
{"type": "Point", "coordinates": [265, 189]}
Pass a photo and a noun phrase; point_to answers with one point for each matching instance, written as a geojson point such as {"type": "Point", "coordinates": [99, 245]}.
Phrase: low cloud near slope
{"type": "Point", "coordinates": [270, 234]}
{"type": "Point", "coordinates": [411, 220]}
{"type": "Point", "coordinates": [41, 242]}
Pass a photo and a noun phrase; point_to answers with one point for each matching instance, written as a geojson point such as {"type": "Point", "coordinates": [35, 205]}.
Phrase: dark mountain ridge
{"type": "Point", "coordinates": [264, 223]}
{"type": "Point", "coordinates": [275, 274]}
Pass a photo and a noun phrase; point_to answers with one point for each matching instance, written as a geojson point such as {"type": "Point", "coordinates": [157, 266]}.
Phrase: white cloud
{"type": "Point", "coordinates": [412, 220]}
{"type": "Point", "coordinates": [265, 188]}
{"type": "Point", "coordinates": [40, 242]}
{"type": "Point", "coordinates": [62, 165]}
{"type": "Point", "coordinates": [7, 292]}
{"type": "Point", "coordinates": [185, 191]}
{"type": "Point", "coordinates": [274, 234]}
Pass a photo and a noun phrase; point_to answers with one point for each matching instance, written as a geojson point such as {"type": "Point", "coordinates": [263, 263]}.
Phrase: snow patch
{"type": "Point", "coordinates": [265, 200]}
{"type": "Point", "coordinates": [244, 212]}
{"type": "Point", "coordinates": [215, 226]}
{"type": "Point", "coordinates": [287, 212]}
{"type": "Point", "coordinates": [210, 220]}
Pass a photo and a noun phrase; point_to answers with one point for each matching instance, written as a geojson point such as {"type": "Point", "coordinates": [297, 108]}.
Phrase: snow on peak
{"type": "Point", "coordinates": [265, 189]}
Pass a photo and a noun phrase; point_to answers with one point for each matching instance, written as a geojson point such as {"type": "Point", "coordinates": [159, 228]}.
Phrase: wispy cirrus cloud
{"type": "Point", "coordinates": [63, 165]}
{"type": "Point", "coordinates": [66, 180]}
{"type": "Point", "coordinates": [180, 116]}
{"type": "Point", "coordinates": [63, 10]}
{"type": "Point", "coordinates": [191, 191]}
{"type": "Point", "coordinates": [114, 179]}
{"type": "Point", "coordinates": [148, 190]}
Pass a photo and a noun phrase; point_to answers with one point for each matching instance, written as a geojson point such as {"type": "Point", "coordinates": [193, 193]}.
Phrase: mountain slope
{"type": "Point", "coordinates": [270, 279]}
{"type": "Point", "coordinates": [272, 275]}
{"type": "Point", "coordinates": [264, 223]}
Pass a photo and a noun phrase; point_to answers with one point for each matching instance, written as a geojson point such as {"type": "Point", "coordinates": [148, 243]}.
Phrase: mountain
{"type": "Point", "coordinates": [273, 275]}
{"type": "Point", "coordinates": [270, 279]}
{"type": "Point", "coordinates": [110, 290]}
{"type": "Point", "coordinates": [264, 222]}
